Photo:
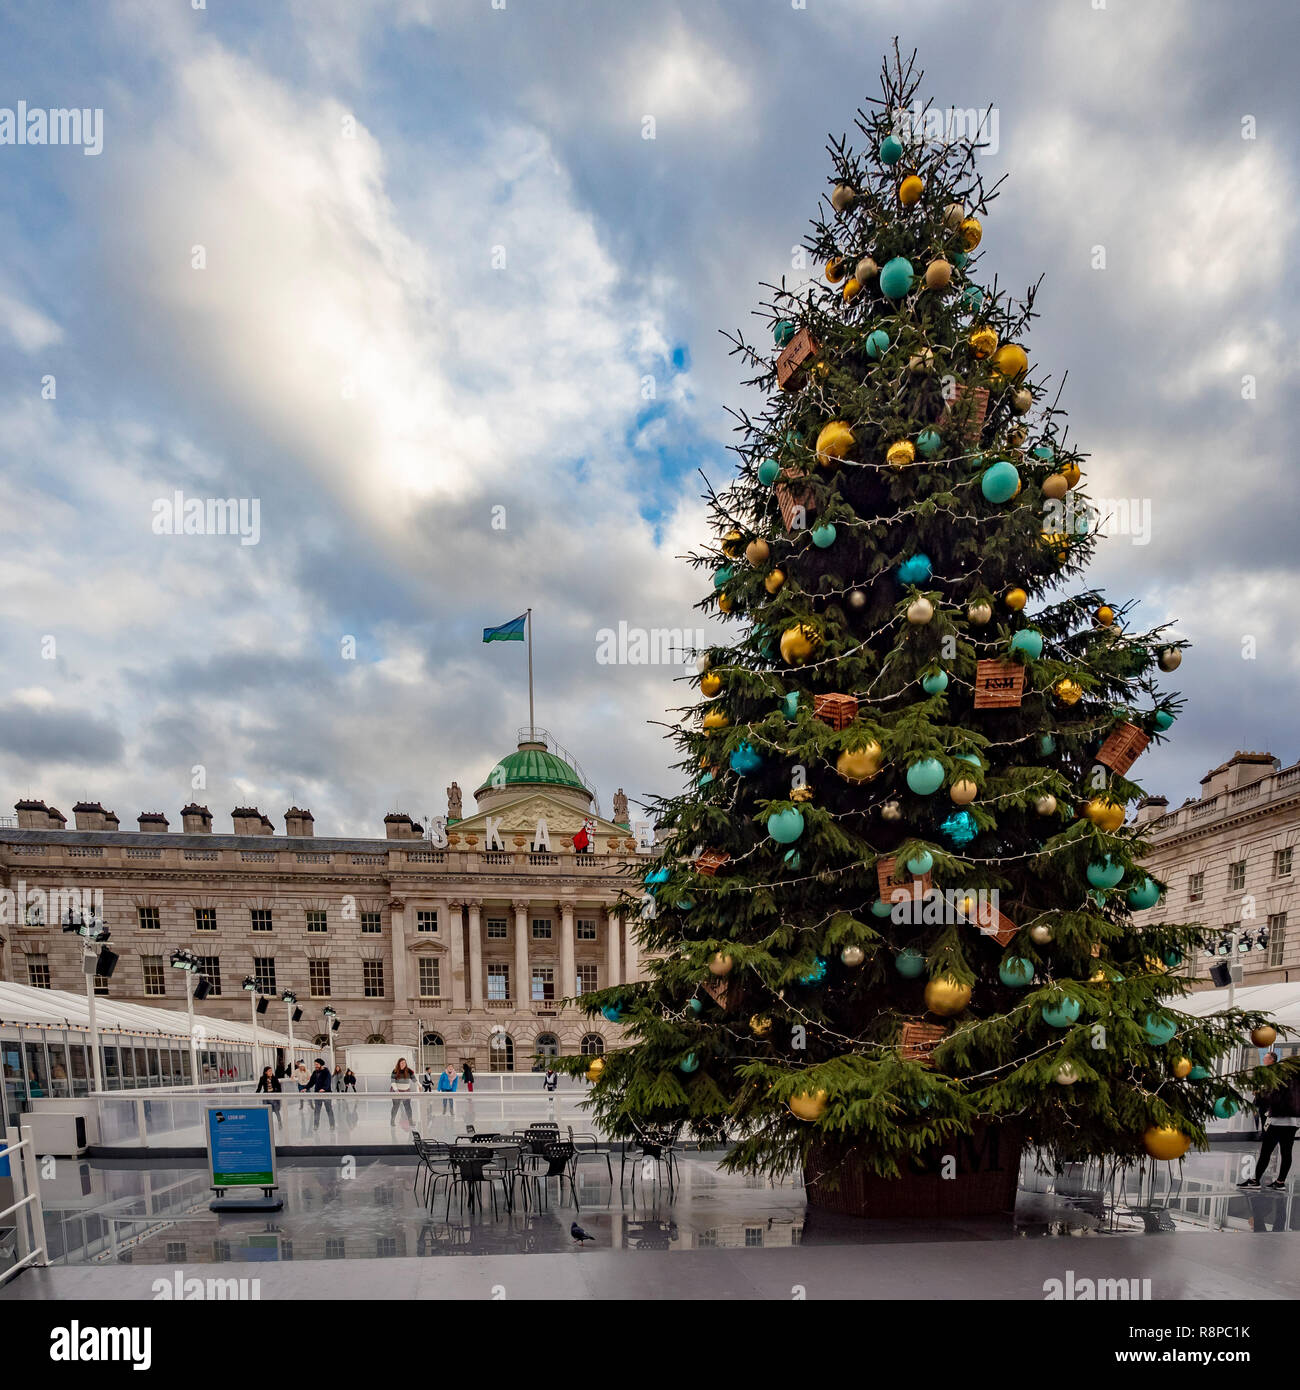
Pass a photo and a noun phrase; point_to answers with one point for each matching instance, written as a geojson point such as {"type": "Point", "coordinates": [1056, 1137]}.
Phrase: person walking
{"type": "Point", "coordinates": [467, 1075]}
{"type": "Point", "coordinates": [401, 1083]}
{"type": "Point", "coordinates": [320, 1081]}
{"type": "Point", "coordinates": [1282, 1110]}
{"type": "Point", "coordinates": [349, 1080]}
{"type": "Point", "coordinates": [301, 1075]}
{"type": "Point", "coordinates": [552, 1079]}
{"type": "Point", "coordinates": [269, 1083]}
{"type": "Point", "coordinates": [447, 1088]}
{"type": "Point", "coordinates": [427, 1081]}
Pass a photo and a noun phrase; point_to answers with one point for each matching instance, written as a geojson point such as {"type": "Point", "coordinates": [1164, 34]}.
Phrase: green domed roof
{"type": "Point", "coordinates": [533, 765]}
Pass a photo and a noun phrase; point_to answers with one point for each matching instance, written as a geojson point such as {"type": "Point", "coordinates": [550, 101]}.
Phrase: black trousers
{"type": "Point", "coordinates": [1281, 1138]}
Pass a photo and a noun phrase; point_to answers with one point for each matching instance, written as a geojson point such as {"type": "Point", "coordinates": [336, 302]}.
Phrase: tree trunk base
{"type": "Point", "coordinates": [984, 1174]}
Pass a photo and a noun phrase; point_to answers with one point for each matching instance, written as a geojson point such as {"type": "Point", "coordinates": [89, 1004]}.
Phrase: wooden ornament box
{"type": "Point", "coordinates": [839, 711]}
{"type": "Point", "coordinates": [796, 353]}
{"type": "Point", "coordinates": [791, 494]}
{"type": "Point", "coordinates": [967, 410]}
{"type": "Point", "coordinates": [999, 684]}
{"type": "Point", "coordinates": [1123, 748]}
{"type": "Point", "coordinates": [711, 861]}
{"type": "Point", "coordinates": [919, 1040]}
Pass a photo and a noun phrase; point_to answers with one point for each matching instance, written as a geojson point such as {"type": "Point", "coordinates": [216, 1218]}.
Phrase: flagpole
{"type": "Point", "coordinates": [532, 727]}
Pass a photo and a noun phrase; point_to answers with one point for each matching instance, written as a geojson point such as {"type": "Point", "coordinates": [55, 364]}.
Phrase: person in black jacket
{"type": "Point", "coordinates": [270, 1083]}
{"type": "Point", "coordinates": [1282, 1110]}
{"type": "Point", "coordinates": [320, 1081]}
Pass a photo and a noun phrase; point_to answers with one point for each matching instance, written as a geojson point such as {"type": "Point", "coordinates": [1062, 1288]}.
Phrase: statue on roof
{"type": "Point", "coordinates": [620, 808]}
{"type": "Point", "coordinates": [453, 802]}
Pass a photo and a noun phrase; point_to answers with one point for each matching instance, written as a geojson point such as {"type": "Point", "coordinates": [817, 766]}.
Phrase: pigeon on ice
{"type": "Point", "coordinates": [579, 1234]}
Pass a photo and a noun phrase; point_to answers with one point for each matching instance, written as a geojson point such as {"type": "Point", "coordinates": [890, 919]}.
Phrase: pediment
{"type": "Point", "coordinates": [520, 817]}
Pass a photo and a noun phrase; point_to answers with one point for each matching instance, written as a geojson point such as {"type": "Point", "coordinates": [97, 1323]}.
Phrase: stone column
{"type": "Point", "coordinates": [397, 918]}
{"type": "Point", "coordinates": [475, 960]}
{"type": "Point", "coordinates": [523, 987]}
{"type": "Point", "coordinates": [449, 920]}
{"type": "Point", "coordinates": [476, 946]}
{"type": "Point", "coordinates": [630, 956]}
{"type": "Point", "coordinates": [612, 928]}
{"type": "Point", "coordinates": [568, 967]}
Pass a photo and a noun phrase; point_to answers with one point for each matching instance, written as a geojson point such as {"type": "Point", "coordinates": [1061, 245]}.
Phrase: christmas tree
{"type": "Point", "coordinates": [893, 905]}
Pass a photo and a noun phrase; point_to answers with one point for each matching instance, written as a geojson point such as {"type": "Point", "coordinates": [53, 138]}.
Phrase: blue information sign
{"type": "Point", "coordinates": [240, 1150]}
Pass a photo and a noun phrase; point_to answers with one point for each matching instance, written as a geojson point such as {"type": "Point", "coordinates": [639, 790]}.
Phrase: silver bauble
{"type": "Point", "coordinates": [853, 955]}
{"type": "Point", "coordinates": [1040, 935]}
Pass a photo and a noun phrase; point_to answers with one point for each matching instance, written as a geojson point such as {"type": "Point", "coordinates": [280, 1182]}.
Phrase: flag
{"type": "Point", "coordinates": [584, 836]}
{"type": "Point", "coordinates": [513, 631]}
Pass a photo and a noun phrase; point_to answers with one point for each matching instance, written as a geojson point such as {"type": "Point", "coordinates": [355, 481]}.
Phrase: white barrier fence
{"type": "Point", "coordinates": [28, 1219]}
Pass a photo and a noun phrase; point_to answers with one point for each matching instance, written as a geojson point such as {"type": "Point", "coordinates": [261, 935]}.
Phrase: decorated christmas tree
{"type": "Point", "coordinates": [892, 915]}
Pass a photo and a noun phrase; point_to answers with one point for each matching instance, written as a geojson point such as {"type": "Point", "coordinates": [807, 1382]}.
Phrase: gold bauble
{"type": "Point", "coordinates": [910, 190]}
{"type": "Point", "coordinates": [859, 764]}
{"type": "Point", "coordinates": [757, 551]}
{"type": "Point", "coordinates": [1068, 692]}
{"type": "Point", "coordinates": [808, 1107]}
{"type": "Point", "coordinates": [979, 614]}
{"type": "Point", "coordinates": [1066, 1074]}
{"type": "Point", "coordinates": [1040, 935]}
{"type": "Point", "coordinates": [834, 441]}
{"type": "Point", "coordinates": [1165, 1143]}
{"type": "Point", "coordinates": [1182, 1068]}
{"type": "Point", "coordinates": [852, 956]}
{"type": "Point", "coordinates": [1010, 361]}
{"type": "Point", "coordinates": [963, 791]}
{"type": "Point", "coordinates": [710, 684]}
{"type": "Point", "coordinates": [760, 1025]}
{"type": "Point", "coordinates": [731, 543]}
{"type": "Point", "coordinates": [1017, 435]}
{"type": "Point", "coordinates": [1046, 805]}
{"type": "Point", "coordinates": [866, 269]}
{"type": "Point", "coordinates": [1263, 1036]}
{"type": "Point", "coordinates": [716, 719]}
{"type": "Point", "coordinates": [774, 581]}
{"type": "Point", "coordinates": [984, 341]}
{"type": "Point", "coordinates": [891, 810]}
{"type": "Point", "coordinates": [835, 270]}
{"type": "Point", "coordinates": [945, 995]}
{"type": "Point", "coordinates": [900, 453]}
{"type": "Point", "coordinates": [1170, 659]}
{"type": "Point", "coordinates": [1055, 486]}
{"type": "Point", "coordinates": [1016, 599]}
{"type": "Point", "coordinates": [1022, 401]}
{"type": "Point", "coordinates": [938, 275]}
{"type": "Point", "coordinates": [798, 643]}
{"type": "Point", "coordinates": [971, 232]}
{"type": "Point", "coordinates": [1104, 814]}
{"type": "Point", "coordinates": [720, 964]}
{"type": "Point", "coordinates": [1155, 965]}
{"type": "Point", "coordinates": [594, 1069]}
{"type": "Point", "coordinates": [920, 611]}
{"type": "Point", "coordinates": [726, 603]}
{"type": "Point", "coordinates": [1071, 473]}
{"type": "Point", "coordinates": [843, 196]}
{"type": "Point", "coordinates": [922, 361]}
{"type": "Point", "coordinates": [1105, 615]}
{"type": "Point", "coordinates": [804, 793]}
{"type": "Point", "coordinates": [852, 288]}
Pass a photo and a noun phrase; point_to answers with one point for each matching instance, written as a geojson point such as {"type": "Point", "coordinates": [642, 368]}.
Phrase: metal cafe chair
{"type": "Point", "coordinates": [654, 1143]}
{"type": "Point", "coordinates": [469, 1174]}
{"type": "Point", "coordinates": [507, 1165]}
{"type": "Point", "coordinates": [556, 1161]}
{"type": "Point", "coordinates": [589, 1146]}
{"type": "Point", "coordinates": [431, 1166]}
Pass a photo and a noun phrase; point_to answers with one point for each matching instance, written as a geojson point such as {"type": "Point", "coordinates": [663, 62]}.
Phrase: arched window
{"type": "Point", "coordinates": [547, 1045]}
{"type": "Point", "coordinates": [376, 1038]}
{"type": "Point", "coordinates": [433, 1051]}
{"type": "Point", "coordinates": [501, 1052]}
{"type": "Point", "coordinates": [593, 1045]}
{"type": "Point", "coordinates": [322, 1040]}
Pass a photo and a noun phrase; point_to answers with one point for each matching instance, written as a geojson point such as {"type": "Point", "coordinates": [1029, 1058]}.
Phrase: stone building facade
{"type": "Point", "coordinates": [1230, 859]}
{"type": "Point", "coordinates": [460, 941]}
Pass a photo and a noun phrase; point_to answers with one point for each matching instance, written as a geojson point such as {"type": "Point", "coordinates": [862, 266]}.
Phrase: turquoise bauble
{"type": "Point", "coordinates": [909, 963]}
{"type": "Point", "coordinates": [1159, 1030]}
{"type": "Point", "coordinates": [1105, 873]}
{"type": "Point", "coordinates": [704, 779]}
{"type": "Point", "coordinates": [896, 277]}
{"type": "Point", "coordinates": [1163, 719]}
{"type": "Point", "coordinates": [746, 759]}
{"type": "Point", "coordinates": [960, 828]}
{"type": "Point", "coordinates": [1061, 1015]}
{"type": "Point", "coordinates": [683, 904]}
{"type": "Point", "coordinates": [1016, 972]}
{"type": "Point", "coordinates": [1099, 898]}
{"type": "Point", "coordinates": [925, 777]}
{"type": "Point", "coordinates": [792, 860]}
{"type": "Point", "coordinates": [1173, 959]}
{"type": "Point", "coordinates": [935, 683]}
{"type": "Point", "coordinates": [921, 864]}
{"type": "Point", "coordinates": [928, 443]}
{"type": "Point", "coordinates": [877, 344]}
{"type": "Point", "coordinates": [768, 472]}
{"type": "Point", "coordinates": [1046, 746]}
{"type": "Point", "coordinates": [697, 1006]}
{"type": "Point", "coordinates": [916, 569]}
{"type": "Point", "coordinates": [1029, 641]}
{"type": "Point", "coordinates": [971, 758]}
{"type": "Point", "coordinates": [1044, 452]}
{"type": "Point", "coordinates": [689, 1063]}
{"type": "Point", "coordinates": [1198, 1074]}
{"type": "Point", "coordinates": [880, 908]}
{"type": "Point", "coordinates": [972, 297]}
{"type": "Point", "coordinates": [1000, 481]}
{"type": "Point", "coordinates": [961, 260]}
{"type": "Point", "coordinates": [1225, 1107]}
{"type": "Point", "coordinates": [612, 1013]}
{"type": "Point", "coordinates": [815, 973]}
{"type": "Point", "coordinates": [657, 876]}
{"type": "Point", "coordinates": [782, 331]}
{"type": "Point", "coordinates": [785, 827]}
{"type": "Point", "coordinates": [722, 577]}
{"type": "Point", "coordinates": [1146, 894]}
{"type": "Point", "coordinates": [790, 705]}
{"type": "Point", "coordinates": [823, 535]}
{"type": "Point", "coordinates": [890, 150]}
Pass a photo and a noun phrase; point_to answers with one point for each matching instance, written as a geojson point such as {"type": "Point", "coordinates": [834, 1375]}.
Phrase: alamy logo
{"type": "Point", "coordinates": [47, 907]}
{"type": "Point", "coordinates": [55, 125]}
{"type": "Point", "coordinates": [77, 1343]}
{"type": "Point", "coordinates": [179, 1289]}
{"type": "Point", "coordinates": [646, 646]}
{"type": "Point", "coordinates": [1072, 1290]}
{"type": "Point", "coordinates": [179, 515]}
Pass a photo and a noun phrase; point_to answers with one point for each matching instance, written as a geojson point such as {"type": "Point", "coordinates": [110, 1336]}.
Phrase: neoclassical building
{"type": "Point", "coordinates": [461, 939]}
{"type": "Point", "coordinates": [1230, 859]}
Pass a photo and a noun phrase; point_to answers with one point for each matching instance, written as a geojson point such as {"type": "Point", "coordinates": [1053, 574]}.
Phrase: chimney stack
{"type": "Point", "coordinates": [298, 822]}
{"type": "Point", "coordinates": [400, 827]}
{"type": "Point", "coordinates": [152, 823]}
{"type": "Point", "coordinates": [33, 815]}
{"type": "Point", "coordinates": [1151, 808]}
{"type": "Point", "coordinates": [196, 819]}
{"type": "Point", "coordinates": [57, 819]}
{"type": "Point", "coordinates": [89, 815]}
{"type": "Point", "coordinates": [250, 821]}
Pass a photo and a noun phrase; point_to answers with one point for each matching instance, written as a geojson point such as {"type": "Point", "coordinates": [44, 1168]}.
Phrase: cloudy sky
{"type": "Point", "coordinates": [409, 274]}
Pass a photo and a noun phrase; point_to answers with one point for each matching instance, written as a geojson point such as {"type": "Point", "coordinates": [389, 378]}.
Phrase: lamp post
{"type": "Point", "coordinates": [188, 962]}
{"type": "Point", "coordinates": [331, 1027]}
{"type": "Point", "coordinates": [92, 935]}
{"type": "Point", "coordinates": [250, 984]}
{"type": "Point", "coordinates": [290, 999]}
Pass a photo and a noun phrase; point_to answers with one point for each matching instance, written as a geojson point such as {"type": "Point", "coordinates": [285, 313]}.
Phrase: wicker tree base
{"type": "Point", "coordinates": [985, 1182]}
